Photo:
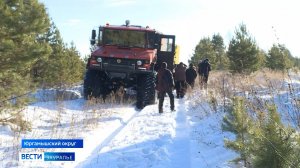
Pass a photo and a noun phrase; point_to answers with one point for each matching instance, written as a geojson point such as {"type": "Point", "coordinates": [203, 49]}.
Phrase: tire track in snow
{"type": "Point", "coordinates": [117, 131]}
{"type": "Point", "coordinates": [147, 139]}
{"type": "Point", "coordinates": [108, 139]}
{"type": "Point", "coordinates": [143, 142]}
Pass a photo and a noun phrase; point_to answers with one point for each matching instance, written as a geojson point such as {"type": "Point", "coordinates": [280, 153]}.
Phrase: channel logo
{"type": "Point", "coordinates": [31, 156]}
{"type": "Point", "coordinates": [59, 156]}
{"type": "Point", "coordinates": [47, 156]}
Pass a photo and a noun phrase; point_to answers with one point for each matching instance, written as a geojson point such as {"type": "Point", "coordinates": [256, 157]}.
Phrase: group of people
{"type": "Point", "coordinates": [181, 79]}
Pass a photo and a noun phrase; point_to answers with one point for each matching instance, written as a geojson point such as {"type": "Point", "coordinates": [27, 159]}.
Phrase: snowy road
{"type": "Point", "coordinates": [147, 139]}
{"type": "Point", "coordinates": [119, 136]}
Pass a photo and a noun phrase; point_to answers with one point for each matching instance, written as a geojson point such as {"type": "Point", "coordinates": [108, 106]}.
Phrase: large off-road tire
{"type": "Point", "coordinates": [94, 84]}
{"type": "Point", "coordinates": [145, 90]}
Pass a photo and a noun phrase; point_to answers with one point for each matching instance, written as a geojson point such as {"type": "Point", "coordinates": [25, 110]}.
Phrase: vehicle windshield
{"type": "Point", "coordinates": [128, 38]}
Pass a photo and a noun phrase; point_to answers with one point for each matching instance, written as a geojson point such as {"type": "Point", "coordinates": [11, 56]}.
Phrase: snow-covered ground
{"type": "Point", "coordinates": [122, 136]}
{"type": "Point", "coordinates": [117, 136]}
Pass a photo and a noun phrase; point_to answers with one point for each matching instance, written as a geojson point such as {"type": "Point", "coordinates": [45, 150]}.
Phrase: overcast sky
{"type": "Point", "coordinates": [268, 21]}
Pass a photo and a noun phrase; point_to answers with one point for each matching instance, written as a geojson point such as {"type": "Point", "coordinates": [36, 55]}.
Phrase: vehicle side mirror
{"type": "Point", "coordinates": [93, 39]}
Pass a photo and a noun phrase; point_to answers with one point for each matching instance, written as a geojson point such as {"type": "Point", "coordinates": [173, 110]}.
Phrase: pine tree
{"type": "Point", "coordinates": [263, 142]}
{"type": "Point", "coordinates": [275, 145]}
{"type": "Point", "coordinates": [262, 58]}
{"type": "Point", "coordinates": [239, 123]}
{"type": "Point", "coordinates": [21, 25]}
{"type": "Point", "coordinates": [76, 65]}
{"type": "Point", "coordinates": [243, 52]}
{"type": "Point", "coordinates": [279, 58]}
{"type": "Point", "coordinates": [54, 67]}
{"type": "Point", "coordinates": [204, 49]}
{"type": "Point", "coordinates": [63, 67]}
{"type": "Point", "coordinates": [219, 48]}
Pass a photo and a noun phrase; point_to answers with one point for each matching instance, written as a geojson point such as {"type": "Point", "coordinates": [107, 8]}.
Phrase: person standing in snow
{"type": "Point", "coordinates": [200, 73]}
{"type": "Point", "coordinates": [180, 79]}
{"type": "Point", "coordinates": [165, 84]}
{"type": "Point", "coordinates": [191, 75]}
{"type": "Point", "coordinates": [203, 70]}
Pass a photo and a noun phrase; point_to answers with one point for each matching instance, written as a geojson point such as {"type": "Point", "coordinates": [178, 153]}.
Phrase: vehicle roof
{"type": "Point", "coordinates": [130, 27]}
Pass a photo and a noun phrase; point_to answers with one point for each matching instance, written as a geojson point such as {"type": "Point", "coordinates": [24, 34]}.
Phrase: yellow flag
{"type": "Point", "coordinates": [176, 57]}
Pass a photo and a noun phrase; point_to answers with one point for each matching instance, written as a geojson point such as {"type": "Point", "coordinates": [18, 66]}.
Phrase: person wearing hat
{"type": "Point", "coordinates": [165, 84]}
{"type": "Point", "coordinates": [191, 75]}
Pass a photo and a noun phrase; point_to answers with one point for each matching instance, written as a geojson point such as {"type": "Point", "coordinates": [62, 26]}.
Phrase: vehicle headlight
{"type": "Point", "coordinates": [139, 63]}
{"type": "Point", "coordinates": [99, 59]}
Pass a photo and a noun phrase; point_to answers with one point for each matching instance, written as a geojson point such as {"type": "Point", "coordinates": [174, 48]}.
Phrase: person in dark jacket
{"type": "Point", "coordinates": [165, 84]}
{"type": "Point", "coordinates": [200, 72]}
{"type": "Point", "coordinates": [203, 70]}
{"type": "Point", "coordinates": [180, 78]}
{"type": "Point", "coordinates": [191, 75]}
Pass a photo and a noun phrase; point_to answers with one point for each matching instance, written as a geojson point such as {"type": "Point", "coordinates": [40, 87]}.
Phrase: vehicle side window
{"type": "Point", "coordinates": [100, 36]}
{"type": "Point", "coordinates": [166, 44]}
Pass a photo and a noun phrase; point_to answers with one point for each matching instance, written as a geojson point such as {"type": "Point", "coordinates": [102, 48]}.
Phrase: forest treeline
{"type": "Point", "coordinates": [242, 55]}
{"type": "Point", "coordinates": [32, 52]}
{"type": "Point", "coordinates": [32, 55]}
{"type": "Point", "coordinates": [262, 139]}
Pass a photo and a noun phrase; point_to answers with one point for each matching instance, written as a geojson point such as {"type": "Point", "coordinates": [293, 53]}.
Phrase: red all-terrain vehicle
{"type": "Point", "coordinates": [127, 55]}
